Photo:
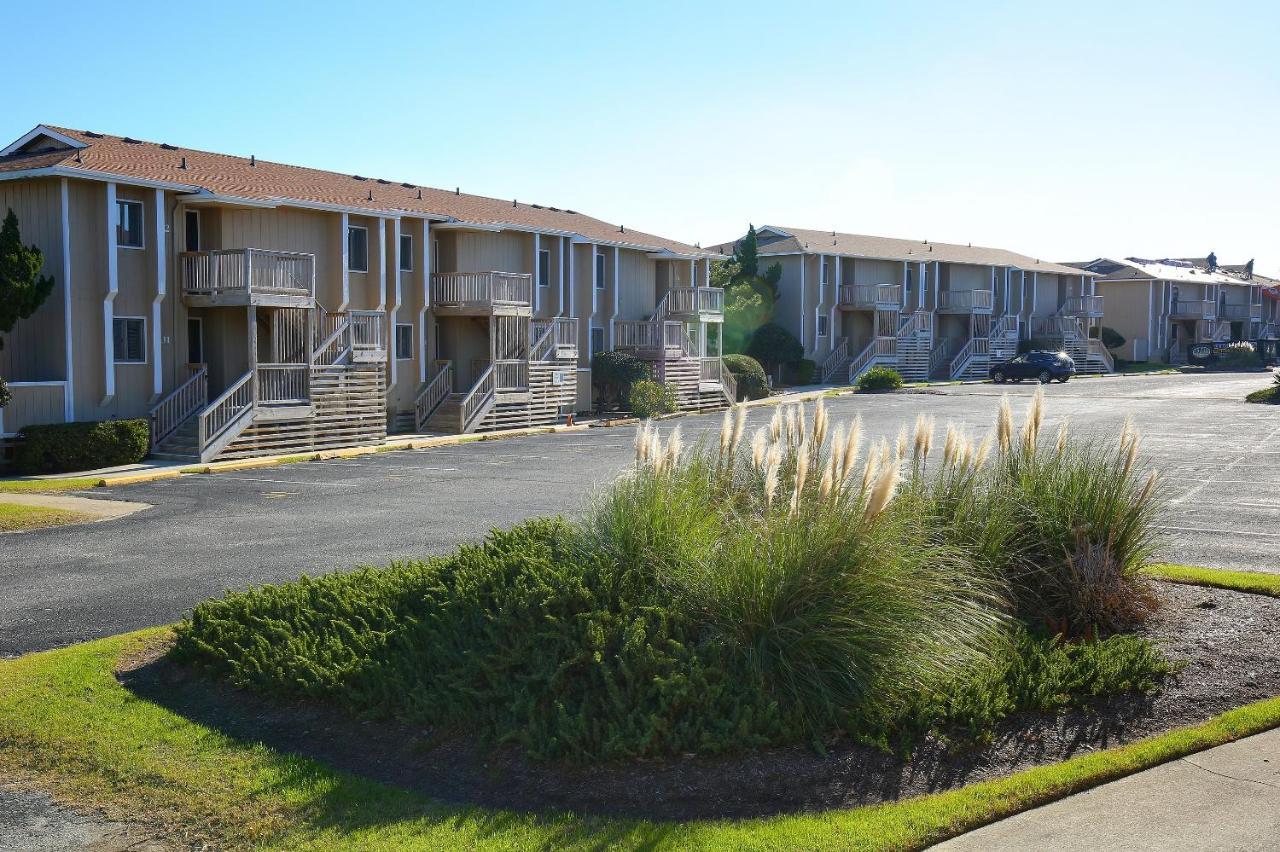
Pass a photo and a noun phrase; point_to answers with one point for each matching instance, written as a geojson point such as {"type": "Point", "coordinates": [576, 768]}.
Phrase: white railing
{"type": "Point", "coordinates": [511, 374]}
{"type": "Point", "coordinates": [691, 300]}
{"type": "Point", "coordinates": [880, 347]}
{"type": "Point", "coordinates": [333, 333]}
{"type": "Point", "coordinates": [1083, 306]}
{"type": "Point", "coordinates": [870, 295]}
{"type": "Point", "coordinates": [976, 346]}
{"type": "Point", "coordinates": [475, 400]}
{"type": "Point", "coordinates": [1240, 312]}
{"type": "Point", "coordinates": [248, 272]}
{"type": "Point", "coordinates": [224, 411]}
{"type": "Point", "coordinates": [709, 369]}
{"type": "Point", "coordinates": [965, 300]}
{"type": "Point", "coordinates": [481, 288]}
{"type": "Point", "coordinates": [637, 334]}
{"type": "Point", "coordinates": [368, 331]}
{"type": "Point", "coordinates": [832, 363]}
{"type": "Point", "coordinates": [1194, 309]}
{"type": "Point", "coordinates": [1268, 332]}
{"type": "Point", "coordinates": [548, 336]}
{"type": "Point", "coordinates": [917, 321]}
{"type": "Point", "coordinates": [33, 404]}
{"type": "Point", "coordinates": [185, 400]}
{"type": "Point", "coordinates": [940, 355]}
{"type": "Point", "coordinates": [728, 381]}
{"type": "Point", "coordinates": [1103, 354]}
{"type": "Point", "coordinates": [282, 384]}
{"type": "Point", "coordinates": [1057, 325]}
{"type": "Point", "coordinates": [433, 393]}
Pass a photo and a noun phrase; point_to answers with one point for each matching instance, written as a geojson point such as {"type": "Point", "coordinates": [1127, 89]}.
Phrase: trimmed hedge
{"type": "Point", "coordinates": [648, 398]}
{"type": "Point", "coordinates": [752, 382]}
{"type": "Point", "coordinates": [61, 447]}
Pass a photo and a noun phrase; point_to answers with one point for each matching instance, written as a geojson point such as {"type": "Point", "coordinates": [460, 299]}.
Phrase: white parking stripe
{"type": "Point", "coordinates": [290, 481]}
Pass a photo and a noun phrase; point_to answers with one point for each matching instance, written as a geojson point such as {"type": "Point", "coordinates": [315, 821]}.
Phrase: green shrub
{"type": "Point", "coordinates": [650, 399]}
{"type": "Point", "coordinates": [1271, 394]}
{"type": "Point", "coordinates": [612, 374]}
{"type": "Point", "coordinates": [752, 382]}
{"type": "Point", "coordinates": [1239, 356]}
{"type": "Point", "coordinates": [800, 372]}
{"type": "Point", "coordinates": [60, 447]}
{"type": "Point", "coordinates": [773, 346]}
{"type": "Point", "coordinates": [5, 395]}
{"type": "Point", "coordinates": [880, 378]}
{"type": "Point", "coordinates": [1111, 338]}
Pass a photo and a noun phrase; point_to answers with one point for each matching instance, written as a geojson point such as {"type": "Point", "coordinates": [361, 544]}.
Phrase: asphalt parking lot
{"type": "Point", "coordinates": [204, 534]}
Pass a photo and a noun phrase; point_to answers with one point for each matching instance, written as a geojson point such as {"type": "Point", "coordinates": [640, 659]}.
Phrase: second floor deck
{"type": "Point", "coordinates": [482, 293]}
{"type": "Point", "coordinates": [870, 296]}
{"type": "Point", "coordinates": [965, 301]}
{"type": "Point", "coordinates": [248, 276]}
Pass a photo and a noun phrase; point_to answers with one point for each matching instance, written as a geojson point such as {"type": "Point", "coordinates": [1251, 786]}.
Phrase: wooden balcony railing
{"type": "Point", "coordinates": [1083, 306]}
{"type": "Point", "coordinates": [481, 289]}
{"type": "Point", "coordinates": [368, 331]}
{"type": "Point", "coordinates": [1240, 312]}
{"type": "Point", "coordinates": [1194, 309]}
{"type": "Point", "coordinates": [283, 384]}
{"type": "Point", "coordinates": [649, 335]}
{"type": "Point", "coordinates": [965, 300]}
{"type": "Point", "coordinates": [691, 301]}
{"type": "Point", "coordinates": [248, 272]}
{"type": "Point", "coordinates": [870, 295]}
{"type": "Point", "coordinates": [33, 403]}
{"type": "Point", "coordinates": [511, 375]}
{"type": "Point", "coordinates": [432, 393]}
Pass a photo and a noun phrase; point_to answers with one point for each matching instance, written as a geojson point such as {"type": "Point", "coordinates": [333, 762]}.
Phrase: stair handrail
{"type": "Point", "coordinates": [219, 415]}
{"type": "Point", "coordinates": [544, 339]}
{"type": "Point", "coordinates": [878, 347]}
{"type": "Point", "coordinates": [186, 399]}
{"type": "Point", "coordinates": [729, 382]}
{"type": "Point", "coordinates": [433, 392]}
{"type": "Point", "coordinates": [321, 350]}
{"type": "Point", "coordinates": [918, 320]}
{"type": "Point", "coordinates": [838, 355]}
{"type": "Point", "coordinates": [974, 346]}
{"type": "Point", "coordinates": [1096, 347]}
{"type": "Point", "coordinates": [940, 353]}
{"type": "Point", "coordinates": [475, 399]}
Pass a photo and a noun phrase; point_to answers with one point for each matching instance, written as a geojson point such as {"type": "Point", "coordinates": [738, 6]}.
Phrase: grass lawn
{"type": "Point", "coordinates": [14, 517]}
{"type": "Point", "coordinates": [67, 725]}
{"type": "Point", "coordinates": [29, 486]}
{"type": "Point", "coordinates": [1241, 581]}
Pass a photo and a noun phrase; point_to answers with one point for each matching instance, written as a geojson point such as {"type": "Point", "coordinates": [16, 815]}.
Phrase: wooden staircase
{"type": "Point", "coordinates": [1069, 334]}
{"type": "Point", "coordinates": [915, 345]}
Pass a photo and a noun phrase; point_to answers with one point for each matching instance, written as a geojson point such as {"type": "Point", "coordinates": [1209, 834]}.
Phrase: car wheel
{"type": "Point", "coordinates": [1017, 380]}
{"type": "Point", "coordinates": [1045, 377]}
{"type": "Point", "coordinates": [998, 377]}
{"type": "Point", "coordinates": [1064, 379]}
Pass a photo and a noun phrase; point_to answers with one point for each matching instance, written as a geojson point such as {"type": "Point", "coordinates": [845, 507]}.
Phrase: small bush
{"type": "Point", "coordinates": [752, 382]}
{"type": "Point", "coordinates": [650, 399]}
{"type": "Point", "coordinates": [61, 447]}
{"type": "Point", "coordinates": [801, 372]}
{"type": "Point", "coordinates": [773, 346]}
{"type": "Point", "coordinates": [1271, 394]}
{"type": "Point", "coordinates": [879, 379]}
{"type": "Point", "coordinates": [612, 374]}
{"type": "Point", "coordinates": [1111, 338]}
{"type": "Point", "coordinates": [1239, 356]}
{"type": "Point", "coordinates": [5, 395]}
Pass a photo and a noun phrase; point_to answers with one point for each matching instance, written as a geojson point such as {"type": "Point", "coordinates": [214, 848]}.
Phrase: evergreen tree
{"type": "Point", "coordinates": [22, 287]}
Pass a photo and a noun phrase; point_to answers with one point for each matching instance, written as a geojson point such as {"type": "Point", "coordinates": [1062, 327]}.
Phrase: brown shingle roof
{"type": "Point", "coordinates": [892, 248]}
{"type": "Point", "coordinates": [224, 175]}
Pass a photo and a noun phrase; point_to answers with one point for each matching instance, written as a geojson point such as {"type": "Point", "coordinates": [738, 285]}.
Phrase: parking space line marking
{"type": "Point", "coordinates": [1247, 454]}
{"type": "Point", "coordinates": [1244, 533]}
{"type": "Point", "coordinates": [290, 481]}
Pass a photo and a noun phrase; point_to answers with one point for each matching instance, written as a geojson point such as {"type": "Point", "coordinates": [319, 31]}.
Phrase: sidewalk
{"type": "Point", "coordinates": [1224, 798]}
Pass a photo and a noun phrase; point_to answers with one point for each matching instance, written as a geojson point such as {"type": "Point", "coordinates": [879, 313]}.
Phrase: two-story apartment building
{"type": "Point", "coordinates": [1163, 307]}
{"type": "Point", "coordinates": [250, 307]}
{"type": "Point", "coordinates": [930, 310]}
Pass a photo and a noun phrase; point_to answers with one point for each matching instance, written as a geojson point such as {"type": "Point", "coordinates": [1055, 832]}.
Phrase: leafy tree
{"type": "Point", "coordinates": [773, 346]}
{"type": "Point", "coordinates": [22, 287]}
{"type": "Point", "coordinates": [613, 373]}
{"type": "Point", "coordinates": [746, 308]}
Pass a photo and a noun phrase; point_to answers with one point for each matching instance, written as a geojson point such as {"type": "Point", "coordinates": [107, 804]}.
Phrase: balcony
{"type": "Point", "coordinates": [653, 339]}
{"type": "Point", "coordinates": [1083, 306]}
{"type": "Point", "coordinates": [693, 304]}
{"type": "Point", "coordinates": [1241, 312]}
{"type": "Point", "coordinates": [870, 296]}
{"type": "Point", "coordinates": [1197, 309]}
{"type": "Point", "coordinates": [248, 276]}
{"type": "Point", "coordinates": [965, 301]}
{"type": "Point", "coordinates": [482, 293]}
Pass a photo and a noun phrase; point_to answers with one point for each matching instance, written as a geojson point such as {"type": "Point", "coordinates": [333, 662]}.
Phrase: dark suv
{"type": "Point", "coordinates": [1041, 365]}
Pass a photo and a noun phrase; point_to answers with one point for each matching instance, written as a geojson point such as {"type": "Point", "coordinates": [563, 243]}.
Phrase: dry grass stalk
{"type": "Point", "coordinates": [950, 444]}
{"type": "Point", "coordinates": [759, 446]}
{"type": "Point", "coordinates": [852, 444]}
{"type": "Point", "coordinates": [882, 492]}
{"type": "Point", "coordinates": [1004, 425]}
{"type": "Point", "coordinates": [1035, 417]}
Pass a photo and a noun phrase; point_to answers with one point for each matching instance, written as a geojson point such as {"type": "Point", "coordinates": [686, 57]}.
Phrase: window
{"type": "Point", "coordinates": [824, 272]}
{"type": "Point", "coordinates": [599, 271]}
{"type": "Point", "coordinates": [597, 340]}
{"type": "Point", "coordinates": [406, 252]}
{"type": "Point", "coordinates": [357, 249]}
{"type": "Point", "coordinates": [191, 225]}
{"type": "Point", "coordinates": [404, 341]}
{"type": "Point", "coordinates": [544, 267]}
{"type": "Point", "coordinates": [129, 336]}
{"type": "Point", "coordinates": [129, 230]}
{"type": "Point", "coordinates": [822, 325]}
{"type": "Point", "coordinates": [195, 340]}
{"type": "Point", "coordinates": [435, 255]}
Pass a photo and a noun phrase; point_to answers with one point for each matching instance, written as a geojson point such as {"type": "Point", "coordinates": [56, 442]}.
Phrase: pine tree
{"type": "Point", "coordinates": [22, 287]}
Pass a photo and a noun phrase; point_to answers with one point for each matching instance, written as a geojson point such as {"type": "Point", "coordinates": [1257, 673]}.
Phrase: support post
{"type": "Point", "coordinates": [68, 391]}
{"type": "Point", "coordinates": [108, 302]}
{"type": "Point", "coordinates": [157, 323]}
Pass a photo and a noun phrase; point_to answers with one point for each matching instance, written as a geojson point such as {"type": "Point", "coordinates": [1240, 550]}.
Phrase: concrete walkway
{"type": "Point", "coordinates": [98, 510]}
{"type": "Point", "coordinates": [1224, 798]}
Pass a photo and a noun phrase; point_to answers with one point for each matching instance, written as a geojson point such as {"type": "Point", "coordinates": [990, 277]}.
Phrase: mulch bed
{"type": "Point", "coordinates": [1229, 640]}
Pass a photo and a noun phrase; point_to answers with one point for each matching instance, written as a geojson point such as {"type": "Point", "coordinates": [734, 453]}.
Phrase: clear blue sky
{"type": "Point", "coordinates": [1065, 130]}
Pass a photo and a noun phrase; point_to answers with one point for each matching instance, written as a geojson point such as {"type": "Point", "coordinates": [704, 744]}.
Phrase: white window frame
{"type": "Point", "coordinates": [200, 322]}
{"type": "Point", "coordinates": [115, 350]}
{"type": "Point", "coordinates": [122, 203]}
{"type": "Point", "coordinates": [406, 257]}
{"type": "Point", "coordinates": [591, 339]}
{"type": "Point", "coordinates": [823, 323]}
{"type": "Point", "coordinates": [396, 341]}
{"type": "Point", "coordinates": [544, 280]}
{"type": "Point", "coordinates": [351, 256]}
{"type": "Point", "coordinates": [199, 229]}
